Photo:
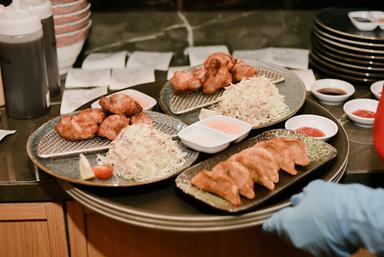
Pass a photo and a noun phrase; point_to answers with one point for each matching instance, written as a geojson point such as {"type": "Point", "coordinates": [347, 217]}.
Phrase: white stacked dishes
{"type": "Point", "coordinates": [340, 50]}
{"type": "Point", "coordinates": [72, 19]}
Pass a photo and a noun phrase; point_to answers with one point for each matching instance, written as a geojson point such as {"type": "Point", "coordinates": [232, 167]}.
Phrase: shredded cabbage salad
{"type": "Point", "coordinates": [141, 152]}
{"type": "Point", "coordinates": [255, 100]}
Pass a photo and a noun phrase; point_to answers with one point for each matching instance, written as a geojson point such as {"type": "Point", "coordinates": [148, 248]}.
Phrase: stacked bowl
{"type": "Point", "coordinates": [341, 50]}
{"type": "Point", "coordinates": [72, 23]}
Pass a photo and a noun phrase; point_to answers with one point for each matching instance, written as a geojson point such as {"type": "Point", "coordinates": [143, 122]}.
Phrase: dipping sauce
{"type": "Point", "coordinates": [331, 91]}
{"type": "Point", "coordinates": [361, 19]}
{"type": "Point", "coordinates": [364, 113]}
{"type": "Point", "coordinates": [226, 127]}
{"type": "Point", "coordinates": [312, 132]}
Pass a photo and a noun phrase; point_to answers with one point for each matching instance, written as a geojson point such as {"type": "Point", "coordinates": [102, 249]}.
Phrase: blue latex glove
{"type": "Point", "coordinates": [329, 219]}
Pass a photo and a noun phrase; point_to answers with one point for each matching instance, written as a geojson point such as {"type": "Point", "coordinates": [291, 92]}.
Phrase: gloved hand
{"type": "Point", "coordinates": [329, 219]}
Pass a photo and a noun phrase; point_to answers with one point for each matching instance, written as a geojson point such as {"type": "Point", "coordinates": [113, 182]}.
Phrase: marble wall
{"type": "Point", "coordinates": [174, 31]}
{"type": "Point", "coordinates": [194, 5]}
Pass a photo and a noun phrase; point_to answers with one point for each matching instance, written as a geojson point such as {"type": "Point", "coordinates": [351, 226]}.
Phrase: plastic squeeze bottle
{"type": "Point", "coordinates": [42, 9]}
{"type": "Point", "coordinates": [22, 62]}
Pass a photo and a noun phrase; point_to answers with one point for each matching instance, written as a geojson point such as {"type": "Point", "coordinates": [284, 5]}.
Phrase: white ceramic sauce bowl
{"type": "Point", "coordinates": [327, 126]}
{"type": "Point", "coordinates": [361, 104]}
{"type": "Point", "coordinates": [378, 17]}
{"type": "Point", "coordinates": [337, 84]}
{"type": "Point", "coordinates": [377, 88]}
{"type": "Point", "coordinates": [204, 139]}
{"type": "Point", "coordinates": [364, 26]}
{"type": "Point", "coordinates": [146, 101]}
{"type": "Point", "coordinates": [232, 127]}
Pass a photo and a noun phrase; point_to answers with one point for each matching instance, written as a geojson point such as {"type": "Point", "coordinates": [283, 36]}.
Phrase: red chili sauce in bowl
{"type": "Point", "coordinates": [364, 113]}
{"type": "Point", "coordinates": [312, 132]}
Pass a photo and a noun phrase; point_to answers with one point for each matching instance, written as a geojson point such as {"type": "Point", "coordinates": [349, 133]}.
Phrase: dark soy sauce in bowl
{"type": "Point", "coordinates": [332, 91]}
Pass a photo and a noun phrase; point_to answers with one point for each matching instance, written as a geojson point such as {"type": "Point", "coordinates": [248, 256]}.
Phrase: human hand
{"type": "Point", "coordinates": [329, 219]}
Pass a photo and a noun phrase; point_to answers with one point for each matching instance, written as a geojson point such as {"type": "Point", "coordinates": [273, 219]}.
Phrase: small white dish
{"type": "Point", "coordinates": [325, 125]}
{"type": "Point", "coordinates": [204, 139]}
{"type": "Point", "coordinates": [146, 101]}
{"type": "Point", "coordinates": [362, 20]}
{"type": "Point", "coordinates": [320, 87]}
{"type": "Point", "coordinates": [230, 126]}
{"type": "Point", "coordinates": [361, 104]}
{"type": "Point", "coordinates": [377, 88]}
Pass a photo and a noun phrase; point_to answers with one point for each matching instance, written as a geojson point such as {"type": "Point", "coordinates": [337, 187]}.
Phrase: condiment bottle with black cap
{"type": "Point", "coordinates": [42, 9]}
{"type": "Point", "coordinates": [22, 63]}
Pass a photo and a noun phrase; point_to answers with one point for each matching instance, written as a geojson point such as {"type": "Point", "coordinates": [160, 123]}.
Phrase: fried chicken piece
{"type": "Point", "coordinates": [97, 115]}
{"type": "Point", "coordinates": [239, 174]}
{"type": "Point", "coordinates": [261, 165]}
{"type": "Point", "coordinates": [185, 81]}
{"type": "Point", "coordinates": [121, 104]}
{"type": "Point", "coordinates": [280, 152]}
{"type": "Point", "coordinates": [224, 60]}
{"type": "Point", "coordinates": [142, 117]}
{"type": "Point", "coordinates": [112, 125]}
{"type": "Point", "coordinates": [76, 127]}
{"type": "Point", "coordinates": [297, 150]}
{"type": "Point", "coordinates": [218, 184]}
{"type": "Point", "coordinates": [242, 70]}
{"type": "Point", "coordinates": [199, 73]}
{"type": "Point", "coordinates": [216, 79]}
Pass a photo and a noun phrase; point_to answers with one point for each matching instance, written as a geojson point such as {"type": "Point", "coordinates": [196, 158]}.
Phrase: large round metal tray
{"type": "Point", "coordinates": [335, 20]}
{"type": "Point", "coordinates": [162, 206]}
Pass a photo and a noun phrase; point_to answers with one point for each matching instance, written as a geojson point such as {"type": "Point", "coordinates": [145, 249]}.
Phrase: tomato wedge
{"type": "Point", "coordinates": [103, 172]}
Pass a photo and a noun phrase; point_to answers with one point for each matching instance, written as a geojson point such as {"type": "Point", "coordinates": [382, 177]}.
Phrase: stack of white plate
{"type": "Point", "coordinates": [72, 23]}
{"type": "Point", "coordinates": [340, 50]}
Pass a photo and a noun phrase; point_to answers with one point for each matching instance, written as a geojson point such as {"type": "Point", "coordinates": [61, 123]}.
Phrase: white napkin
{"type": "Point", "coordinates": [198, 54]}
{"type": "Point", "coordinates": [172, 70]}
{"type": "Point", "coordinates": [286, 57]}
{"type": "Point", "coordinates": [73, 99]}
{"type": "Point", "coordinates": [258, 54]}
{"type": "Point", "coordinates": [128, 77]}
{"type": "Point", "coordinates": [155, 60]}
{"type": "Point", "coordinates": [307, 77]}
{"type": "Point", "coordinates": [4, 133]}
{"type": "Point", "coordinates": [105, 60]}
{"type": "Point", "coordinates": [87, 78]}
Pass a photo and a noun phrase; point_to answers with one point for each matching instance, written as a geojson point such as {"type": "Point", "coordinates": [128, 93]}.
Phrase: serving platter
{"type": "Point", "coordinates": [292, 88]}
{"type": "Point", "coordinates": [319, 153]}
{"type": "Point", "coordinates": [342, 57]}
{"type": "Point", "coordinates": [337, 38]}
{"type": "Point", "coordinates": [343, 52]}
{"type": "Point", "coordinates": [339, 71]}
{"type": "Point", "coordinates": [67, 167]}
{"type": "Point", "coordinates": [346, 65]}
{"type": "Point", "coordinates": [359, 49]}
{"type": "Point", "coordinates": [163, 206]}
{"type": "Point", "coordinates": [183, 103]}
{"type": "Point", "coordinates": [336, 20]}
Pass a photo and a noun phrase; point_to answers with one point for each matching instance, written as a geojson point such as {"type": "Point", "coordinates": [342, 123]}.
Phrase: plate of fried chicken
{"type": "Point", "coordinates": [64, 160]}
{"type": "Point", "coordinates": [189, 91]}
{"type": "Point", "coordinates": [92, 129]}
{"type": "Point", "coordinates": [251, 172]}
{"type": "Point", "coordinates": [203, 85]}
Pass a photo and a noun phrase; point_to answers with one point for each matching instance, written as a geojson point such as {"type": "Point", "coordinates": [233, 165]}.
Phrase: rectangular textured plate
{"type": "Point", "coordinates": [53, 145]}
{"type": "Point", "coordinates": [319, 153]}
{"type": "Point", "coordinates": [183, 103]}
